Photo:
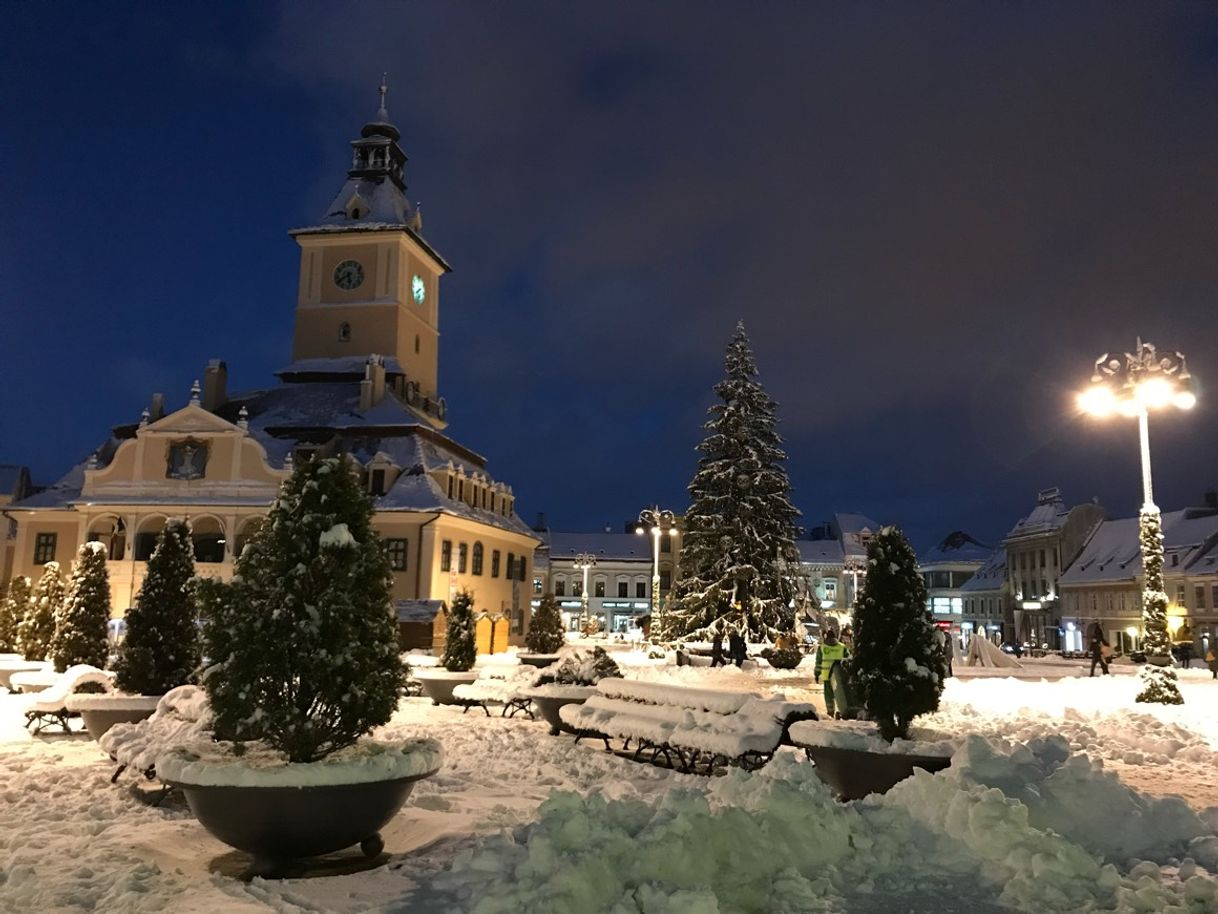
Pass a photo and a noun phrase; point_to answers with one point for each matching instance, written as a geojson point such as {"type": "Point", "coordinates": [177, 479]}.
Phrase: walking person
{"type": "Point", "coordinates": [736, 649]}
{"type": "Point", "coordinates": [949, 651]}
{"type": "Point", "coordinates": [1097, 643]}
{"type": "Point", "coordinates": [828, 652]}
{"type": "Point", "coordinates": [1211, 660]}
{"type": "Point", "coordinates": [717, 658]}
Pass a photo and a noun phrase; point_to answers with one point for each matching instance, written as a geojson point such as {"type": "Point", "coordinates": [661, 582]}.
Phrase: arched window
{"type": "Point", "coordinates": [560, 587]}
{"type": "Point", "coordinates": [476, 566]}
{"type": "Point", "coordinates": [344, 332]}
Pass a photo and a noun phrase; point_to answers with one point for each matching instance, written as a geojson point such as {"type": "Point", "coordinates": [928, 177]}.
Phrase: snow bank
{"type": "Point", "coordinates": [861, 735]}
{"type": "Point", "coordinates": [182, 719]}
{"type": "Point", "coordinates": [214, 765]}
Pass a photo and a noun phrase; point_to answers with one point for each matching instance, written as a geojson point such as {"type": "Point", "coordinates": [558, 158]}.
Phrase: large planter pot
{"type": "Point", "coordinates": [9, 667]}
{"type": "Point", "coordinates": [548, 700]}
{"type": "Point", "coordinates": [27, 681]}
{"type": "Point", "coordinates": [438, 685]}
{"type": "Point", "coordinates": [854, 773]}
{"type": "Point", "coordinates": [101, 712]}
{"type": "Point", "coordinates": [539, 660]}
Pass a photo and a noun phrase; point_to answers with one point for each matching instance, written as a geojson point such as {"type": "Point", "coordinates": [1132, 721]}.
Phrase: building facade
{"type": "Point", "coordinates": [946, 568]}
{"type": "Point", "coordinates": [987, 598]}
{"type": "Point", "coordinates": [362, 384]}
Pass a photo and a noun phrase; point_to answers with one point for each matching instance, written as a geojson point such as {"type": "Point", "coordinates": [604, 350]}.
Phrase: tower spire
{"type": "Point", "coordinates": [382, 113]}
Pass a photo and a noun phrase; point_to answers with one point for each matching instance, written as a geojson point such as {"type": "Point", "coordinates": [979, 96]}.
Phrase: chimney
{"type": "Point", "coordinates": [215, 385]}
{"type": "Point", "coordinates": [372, 388]}
{"type": "Point", "coordinates": [157, 408]}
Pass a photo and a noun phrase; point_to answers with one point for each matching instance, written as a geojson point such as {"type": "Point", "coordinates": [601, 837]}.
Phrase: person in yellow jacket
{"type": "Point", "coordinates": [828, 652]}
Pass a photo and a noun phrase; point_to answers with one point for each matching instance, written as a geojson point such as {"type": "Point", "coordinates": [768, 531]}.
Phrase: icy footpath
{"type": "Point", "coordinates": [1004, 822]}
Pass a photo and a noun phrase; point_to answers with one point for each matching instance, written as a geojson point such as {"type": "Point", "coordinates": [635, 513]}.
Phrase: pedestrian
{"type": "Point", "coordinates": [717, 658]}
{"type": "Point", "coordinates": [1211, 660]}
{"type": "Point", "coordinates": [736, 649]}
{"type": "Point", "coordinates": [848, 638]}
{"type": "Point", "coordinates": [1097, 643]}
{"type": "Point", "coordinates": [829, 652]}
{"type": "Point", "coordinates": [949, 651]}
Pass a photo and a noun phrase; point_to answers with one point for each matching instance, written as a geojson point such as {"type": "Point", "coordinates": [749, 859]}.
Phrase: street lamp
{"type": "Point", "coordinates": [584, 560]}
{"type": "Point", "coordinates": [658, 521]}
{"type": "Point", "coordinates": [1145, 380]}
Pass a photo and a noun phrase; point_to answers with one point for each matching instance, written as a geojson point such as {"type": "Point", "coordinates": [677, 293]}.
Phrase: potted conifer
{"type": "Point", "coordinates": [12, 611]}
{"type": "Point", "coordinates": [571, 681]}
{"type": "Point", "coordinates": [80, 629]}
{"type": "Point", "coordinates": [304, 664]}
{"type": "Point", "coordinates": [897, 673]}
{"type": "Point", "coordinates": [460, 652]}
{"type": "Point", "coordinates": [545, 636]}
{"type": "Point", "coordinates": [37, 626]}
{"type": "Point", "coordinates": [160, 650]}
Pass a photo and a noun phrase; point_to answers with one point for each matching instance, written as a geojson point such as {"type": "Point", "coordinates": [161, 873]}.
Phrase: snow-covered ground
{"type": "Point", "coordinates": [1051, 811]}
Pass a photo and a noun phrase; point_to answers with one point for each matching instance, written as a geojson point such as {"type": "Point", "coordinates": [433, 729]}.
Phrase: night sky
{"type": "Point", "coordinates": [932, 220]}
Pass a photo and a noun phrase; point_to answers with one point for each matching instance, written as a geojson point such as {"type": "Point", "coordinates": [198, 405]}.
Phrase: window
{"type": "Point", "coordinates": [599, 589]}
{"type": "Point", "coordinates": [665, 579]}
{"type": "Point", "coordinates": [1179, 594]}
{"type": "Point", "coordinates": [396, 550]}
{"type": "Point", "coordinates": [640, 590]}
{"type": "Point", "coordinates": [666, 542]}
{"type": "Point", "coordinates": [145, 543]}
{"type": "Point", "coordinates": [1199, 596]}
{"type": "Point", "coordinates": [462, 557]}
{"type": "Point", "coordinates": [537, 586]}
{"type": "Point", "coordinates": [344, 332]}
{"type": "Point", "coordinates": [510, 571]}
{"type": "Point", "coordinates": [494, 563]}
{"type": "Point", "coordinates": [1214, 596]}
{"type": "Point", "coordinates": [476, 568]}
{"type": "Point", "coordinates": [44, 548]}
{"type": "Point", "coordinates": [577, 588]}
{"type": "Point", "coordinates": [450, 487]}
{"type": "Point", "coordinates": [446, 555]}
{"type": "Point", "coordinates": [1042, 558]}
{"type": "Point", "coordinates": [460, 490]}
{"type": "Point", "coordinates": [522, 569]}
{"type": "Point", "coordinates": [376, 482]}
{"type": "Point", "coordinates": [560, 587]}
{"type": "Point", "coordinates": [1175, 559]}
{"type": "Point", "coordinates": [623, 588]}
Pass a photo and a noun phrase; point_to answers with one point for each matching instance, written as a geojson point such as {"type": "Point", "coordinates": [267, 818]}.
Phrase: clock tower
{"type": "Point", "coordinates": [369, 281]}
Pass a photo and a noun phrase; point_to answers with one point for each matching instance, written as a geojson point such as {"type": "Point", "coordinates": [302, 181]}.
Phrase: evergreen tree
{"type": "Point", "coordinates": [12, 611]}
{"type": "Point", "coordinates": [546, 634]}
{"type": "Point", "coordinates": [460, 650]}
{"type": "Point", "coordinates": [37, 627]}
{"type": "Point", "coordinates": [899, 665]}
{"type": "Point", "coordinates": [739, 534]}
{"type": "Point", "coordinates": [160, 650]}
{"type": "Point", "coordinates": [303, 642]}
{"type": "Point", "coordinates": [1159, 684]}
{"type": "Point", "coordinates": [80, 628]}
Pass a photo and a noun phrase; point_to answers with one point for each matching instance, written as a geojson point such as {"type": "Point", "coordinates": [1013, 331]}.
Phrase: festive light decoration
{"type": "Point", "coordinates": [656, 521]}
{"type": "Point", "coordinates": [584, 561]}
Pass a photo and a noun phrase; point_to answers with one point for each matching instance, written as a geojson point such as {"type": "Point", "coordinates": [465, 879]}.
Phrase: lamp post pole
{"type": "Point", "coordinates": [657, 521]}
{"type": "Point", "coordinates": [1144, 380]}
{"type": "Point", "coordinates": [585, 561]}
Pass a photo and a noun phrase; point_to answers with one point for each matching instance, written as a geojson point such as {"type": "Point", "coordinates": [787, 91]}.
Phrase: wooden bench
{"type": "Point", "coordinates": [688, 729]}
{"type": "Point", "coordinates": [500, 685]}
{"type": "Point", "coordinates": [49, 705]}
{"type": "Point", "coordinates": [181, 718]}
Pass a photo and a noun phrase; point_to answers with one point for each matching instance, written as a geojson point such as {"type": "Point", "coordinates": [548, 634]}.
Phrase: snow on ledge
{"type": "Point", "coordinates": [368, 761]}
{"type": "Point", "coordinates": [557, 690]}
{"type": "Point", "coordinates": [83, 701]}
{"type": "Point", "coordinates": [863, 736]}
{"type": "Point", "coordinates": [441, 673]}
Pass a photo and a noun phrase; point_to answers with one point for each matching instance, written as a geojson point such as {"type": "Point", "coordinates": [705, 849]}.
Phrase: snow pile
{"type": "Point", "coordinates": [215, 765]}
{"type": "Point", "coordinates": [862, 735]}
{"type": "Point", "coordinates": [182, 718]}
{"type": "Point", "coordinates": [63, 684]}
{"type": "Point", "coordinates": [777, 841]}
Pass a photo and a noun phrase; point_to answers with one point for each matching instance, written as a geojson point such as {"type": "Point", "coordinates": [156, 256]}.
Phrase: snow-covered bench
{"type": "Point", "coordinates": [689, 728]}
{"type": "Point", "coordinates": [498, 684]}
{"type": "Point", "coordinates": [49, 706]}
{"type": "Point", "coordinates": [182, 717]}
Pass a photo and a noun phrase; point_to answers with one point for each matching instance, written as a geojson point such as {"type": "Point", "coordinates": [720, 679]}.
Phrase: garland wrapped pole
{"type": "Point", "coordinates": [1146, 380]}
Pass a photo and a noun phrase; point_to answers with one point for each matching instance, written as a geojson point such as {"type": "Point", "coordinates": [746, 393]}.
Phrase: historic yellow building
{"type": "Point", "coordinates": [362, 383]}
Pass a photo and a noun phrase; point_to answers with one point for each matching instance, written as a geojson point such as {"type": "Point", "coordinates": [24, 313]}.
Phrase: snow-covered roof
{"type": "Point", "coordinates": [1049, 514]}
{"type": "Point", "coordinates": [345, 365]}
{"type": "Point", "coordinates": [65, 490]}
{"type": "Point", "coordinates": [820, 552]}
{"type": "Point", "coordinates": [316, 405]}
{"type": "Point", "coordinates": [992, 574]}
{"type": "Point", "coordinates": [418, 491]}
{"type": "Point", "coordinates": [1113, 554]}
{"type": "Point", "coordinates": [617, 546]}
{"type": "Point", "coordinates": [417, 610]}
{"type": "Point", "coordinates": [856, 523]}
{"type": "Point", "coordinates": [13, 479]}
{"type": "Point", "coordinates": [955, 548]}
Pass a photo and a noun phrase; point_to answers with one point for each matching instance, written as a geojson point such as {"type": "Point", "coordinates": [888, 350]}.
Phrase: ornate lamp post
{"type": "Point", "coordinates": [584, 560]}
{"type": "Point", "coordinates": [657, 521]}
{"type": "Point", "coordinates": [1143, 381]}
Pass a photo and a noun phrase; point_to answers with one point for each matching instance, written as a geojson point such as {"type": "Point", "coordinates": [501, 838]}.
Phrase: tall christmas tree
{"type": "Point", "coordinates": [738, 545]}
{"type": "Point", "coordinates": [1159, 684]}
{"type": "Point", "coordinates": [545, 634]}
{"type": "Point", "coordinates": [460, 650]}
{"type": "Point", "coordinates": [303, 649]}
{"type": "Point", "coordinates": [898, 665]}
{"type": "Point", "coordinates": [37, 628]}
{"type": "Point", "coordinates": [80, 628]}
{"type": "Point", "coordinates": [161, 648]}
{"type": "Point", "coordinates": [12, 610]}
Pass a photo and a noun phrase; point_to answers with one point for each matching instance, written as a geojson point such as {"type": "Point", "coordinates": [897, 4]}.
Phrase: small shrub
{"type": "Point", "coordinates": [546, 634]}
{"type": "Point", "coordinates": [460, 651]}
{"type": "Point", "coordinates": [581, 669]}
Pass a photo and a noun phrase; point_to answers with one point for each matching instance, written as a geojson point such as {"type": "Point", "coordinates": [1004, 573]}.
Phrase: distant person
{"type": "Point", "coordinates": [736, 649]}
{"type": "Point", "coordinates": [1211, 660]}
{"type": "Point", "coordinates": [848, 638]}
{"type": "Point", "coordinates": [1096, 644]}
{"type": "Point", "coordinates": [717, 658]}
{"type": "Point", "coordinates": [829, 652]}
{"type": "Point", "coordinates": [949, 651]}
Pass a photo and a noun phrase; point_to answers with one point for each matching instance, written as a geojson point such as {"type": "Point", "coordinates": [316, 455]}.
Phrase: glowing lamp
{"type": "Point", "coordinates": [1185, 399]}
{"type": "Point", "coordinates": [1097, 401]}
{"type": "Point", "coordinates": [1154, 393]}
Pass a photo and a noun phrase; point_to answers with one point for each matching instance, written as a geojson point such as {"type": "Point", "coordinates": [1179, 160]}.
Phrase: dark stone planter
{"type": "Point", "coordinates": [276, 825]}
{"type": "Point", "coordinates": [854, 773]}
{"type": "Point", "coordinates": [548, 708]}
{"type": "Point", "coordinates": [439, 685]}
{"type": "Point", "coordinates": [97, 721]}
{"type": "Point", "coordinates": [538, 660]}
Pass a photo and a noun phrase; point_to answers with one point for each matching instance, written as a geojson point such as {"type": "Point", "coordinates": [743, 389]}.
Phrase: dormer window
{"type": "Point", "coordinates": [344, 332]}
{"type": "Point", "coordinates": [376, 482]}
{"type": "Point", "coordinates": [355, 213]}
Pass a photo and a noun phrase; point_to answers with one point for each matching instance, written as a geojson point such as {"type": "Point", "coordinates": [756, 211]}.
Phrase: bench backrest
{"type": "Point", "coordinates": [660, 693]}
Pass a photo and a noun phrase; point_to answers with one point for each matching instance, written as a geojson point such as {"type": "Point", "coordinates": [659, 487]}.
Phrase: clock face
{"type": "Point", "coordinates": [348, 275]}
{"type": "Point", "coordinates": [418, 289]}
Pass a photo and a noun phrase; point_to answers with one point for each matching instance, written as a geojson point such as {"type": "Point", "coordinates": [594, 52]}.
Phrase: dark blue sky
{"type": "Point", "coordinates": [931, 218]}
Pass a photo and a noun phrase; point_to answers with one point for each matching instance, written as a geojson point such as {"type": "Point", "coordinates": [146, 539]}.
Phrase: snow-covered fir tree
{"type": "Point", "coordinates": [898, 665]}
{"type": "Point", "coordinates": [302, 642]}
{"type": "Point", "coordinates": [1159, 683]}
{"type": "Point", "coordinates": [12, 610]}
{"type": "Point", "coordinates": [37, 627]}
{"type": "Point", "coordinates": [738, 551]}
{"type": "Point", "coordinates": [161, 648]}
{"type": "Point", "coordinates": [460, 650]}
{"type": "Point", "coordinates": [545, 635]}
{"type": "Point", "coordinates": [80, 627]}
